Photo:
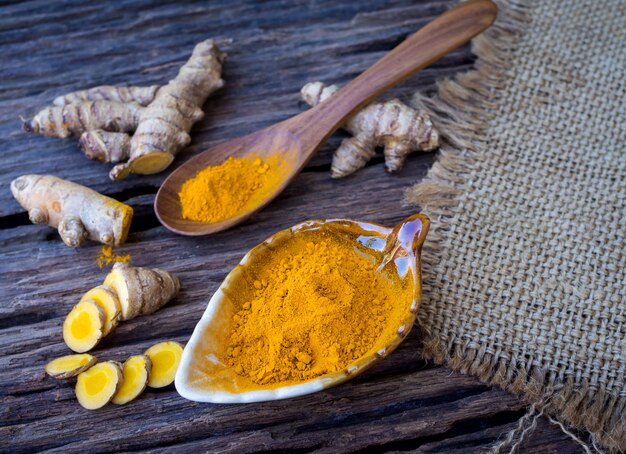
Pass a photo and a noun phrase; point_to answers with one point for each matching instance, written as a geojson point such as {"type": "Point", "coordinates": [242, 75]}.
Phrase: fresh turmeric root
{"type": "Point", "coordinates": [160, 116]}
{"type": "Point", "coordinates": [76, 211]}
{"type": "Point", "coordinates": [140, 95]}
{"type": "Point", "coordinates": [165, 358]}
{"type": "Point", "coordinates": [141, 291]}
{"type": "Point", "coordinates": [127, 292]}
{"type": "Point", "coordinates": [136, 373]}
{"type": "Point", "coordinates": [389, 124]}
{"type": "Point", "coordinates": [70, 365]}
{"type": "Point", "coordinates": [97, 385]}
{"type": "Point", "coordinates": [75, 118]}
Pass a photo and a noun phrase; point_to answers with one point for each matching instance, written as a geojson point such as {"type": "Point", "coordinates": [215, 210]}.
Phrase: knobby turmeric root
{"type": "Point", "coordinates": [74, 119]}
{"type": "Point", "coordinates": [160, 116]}
{"type": "Point", "coordinates": [76, 211]}
{"type": "Point", "coordinates": [140, 95]}
{"type": "Point", "coordinates": [165, 358]}
{"type": "Point", "coordinates": [141, 291]}
{"type": "Point", "coordinates": [83, 327]}
{"type": "Point", "coordinates": [389, 124]}
{"type": "Point", "coordinates": [97, 385]}
{"type": "Point", "coordinates": [105, 146]}
{"type": "Point", "coordinates": [136, 373]}
{"type": "Point", "coordinates": [70, 365]}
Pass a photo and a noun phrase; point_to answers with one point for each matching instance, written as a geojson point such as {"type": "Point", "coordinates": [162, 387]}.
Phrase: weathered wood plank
{"type": "Point", "coordinates": [426, 409]}
{"type": "Point", "coordinates": [51, 48]}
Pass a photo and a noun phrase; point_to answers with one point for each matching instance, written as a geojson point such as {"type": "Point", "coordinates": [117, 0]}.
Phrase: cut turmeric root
{"type": "Point", "coordinates": [97, 385]}
{"type": "Point", "coordinates": [84, 326]}
{"type": "Point", "coordinates": [70, 365]}
{"type": "Point", "coordinates": [165, 357]}
{"type": "Point", "coordinates": [136, 372]}
{"type": "Point", "coordinates": [141, 291]}
{"type": "Point", "coordinates": [127, 292]}
{"type": "Point", "coordinates": [106, 298]}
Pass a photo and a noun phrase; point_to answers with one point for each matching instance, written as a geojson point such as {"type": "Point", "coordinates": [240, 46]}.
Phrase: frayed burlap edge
{"type": "Point", "coordinates": [462, 110]}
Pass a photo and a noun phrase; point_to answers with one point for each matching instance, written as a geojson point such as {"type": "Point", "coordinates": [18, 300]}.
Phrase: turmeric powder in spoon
{"type": "Point", "coordinates": [237, 185]}
{"type": "Point", "coordinates": [315, 305]}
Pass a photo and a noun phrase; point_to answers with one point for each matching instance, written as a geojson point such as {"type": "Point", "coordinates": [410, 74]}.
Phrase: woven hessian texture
{"type": "Point", "coordinates": [524, 275]}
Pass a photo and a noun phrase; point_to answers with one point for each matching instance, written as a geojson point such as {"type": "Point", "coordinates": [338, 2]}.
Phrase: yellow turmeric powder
{"type": "Point", "coordinates": [237, 185]}
{"type": "Point", "coordinates": [315, 306]}
{"type": "Point", "coordinates": [106, 257]}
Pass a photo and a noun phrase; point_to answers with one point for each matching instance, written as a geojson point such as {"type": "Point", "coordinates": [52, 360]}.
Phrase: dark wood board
{"type": "Point", "coordinates": [48, 48]}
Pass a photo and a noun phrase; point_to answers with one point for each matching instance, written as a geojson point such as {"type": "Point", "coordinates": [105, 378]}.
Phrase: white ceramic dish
{"type": "Point", "coordinates": [204, 377]}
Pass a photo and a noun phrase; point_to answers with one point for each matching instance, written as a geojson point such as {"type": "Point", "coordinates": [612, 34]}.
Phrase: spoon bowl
{"type": "Point", "coordinates": [272, 141]}
{"type": "Point", "coordinates": [204, 374]}
{"type": "Point", "coordinates": [294, 141]}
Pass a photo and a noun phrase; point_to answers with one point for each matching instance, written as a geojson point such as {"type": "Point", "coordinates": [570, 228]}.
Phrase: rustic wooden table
{"type": "Point", "coordinates": [50, 48]}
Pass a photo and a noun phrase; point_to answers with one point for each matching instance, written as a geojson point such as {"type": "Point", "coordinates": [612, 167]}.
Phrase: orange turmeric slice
{"type": "Point", "coordinates": [136, 372]}
{"type": "Point", "coordinates": [97, 385]}
{"type": "Point", "coordinates": [165, 357]}
{"type": "Point", "coordinates": [84, 326]}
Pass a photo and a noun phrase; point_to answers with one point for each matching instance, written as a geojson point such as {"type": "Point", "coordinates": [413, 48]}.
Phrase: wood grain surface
{"type": "Point", "coordinates": [48, 48]}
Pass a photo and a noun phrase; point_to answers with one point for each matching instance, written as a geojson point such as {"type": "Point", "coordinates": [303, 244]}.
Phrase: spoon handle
{"type": "Point", "coordinates": [445, 33]}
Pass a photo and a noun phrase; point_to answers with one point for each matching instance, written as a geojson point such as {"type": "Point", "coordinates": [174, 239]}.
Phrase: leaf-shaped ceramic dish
{"type": "Point", "coordinates": [204, 374]}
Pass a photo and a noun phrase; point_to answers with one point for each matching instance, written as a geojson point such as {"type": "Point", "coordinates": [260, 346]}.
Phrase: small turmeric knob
{"type": "Point", "coordinates": [72, 231]}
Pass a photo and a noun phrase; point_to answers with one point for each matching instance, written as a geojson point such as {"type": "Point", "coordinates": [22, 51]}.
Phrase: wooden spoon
{"type": "Point", "coordinates": [296, 139]}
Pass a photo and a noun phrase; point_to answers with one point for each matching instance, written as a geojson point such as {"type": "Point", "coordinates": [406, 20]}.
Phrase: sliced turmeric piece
{"type": "Point", "coordinates": [165, 357]}
{"type": "Point", "coordinates": [106, 298]}
{"type": "Point", "coordinates": [136, 372]}
{"type": "Point", "coordinates": [97, 385]}
{"type": "Point", "coordinates": [84, 326]}
{"type": "Point", "coordinates": [141, 291]}
{"type": "Point", "coordinates": [70, 365]}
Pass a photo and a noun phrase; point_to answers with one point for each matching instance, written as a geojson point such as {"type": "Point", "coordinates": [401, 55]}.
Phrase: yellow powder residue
{"type": "Point", "coordinates": [106, 257]}
{"type": "Point", "coordinates": [315, 307]}
{"type": "Point", "coordinates": [237, 185]}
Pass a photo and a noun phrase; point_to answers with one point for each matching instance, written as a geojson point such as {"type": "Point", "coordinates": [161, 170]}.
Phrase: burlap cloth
{"type": "Point", "coordinates": [524, 274]}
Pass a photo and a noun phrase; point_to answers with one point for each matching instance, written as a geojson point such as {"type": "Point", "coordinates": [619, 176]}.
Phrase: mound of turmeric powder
{"type": "Point", "coordinates": [316, 306]}
{"type": "Point", "coordinates": [221, 192]}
